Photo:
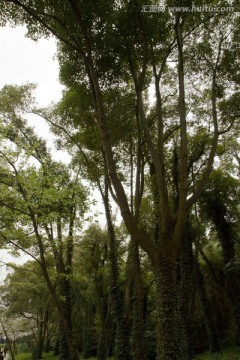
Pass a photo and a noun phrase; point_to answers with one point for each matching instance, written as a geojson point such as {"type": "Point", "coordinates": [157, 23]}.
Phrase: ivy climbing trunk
{"type": "Point", "coordinates": [38, 346]}
{"type": "Point", "coordinates": [134, 302]}
{"type": "Point", "coordinates": [122, 346]}
{"type": "Point", "coordinates": [184, 282]}
{"type": "Point", "coordinates": [65, 289]}
{"type": "Point", "coordinates": [103, 346]}
{"type": "Point", "coordinates": [166, 309]}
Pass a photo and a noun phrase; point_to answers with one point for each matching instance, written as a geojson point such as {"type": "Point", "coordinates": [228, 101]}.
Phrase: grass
{"type": "Point", "coordinates": [46, 356]}
{"type": "Point", "coordinates": [27, 356]}
{"type": "Point", "coordinates": [228, 354]}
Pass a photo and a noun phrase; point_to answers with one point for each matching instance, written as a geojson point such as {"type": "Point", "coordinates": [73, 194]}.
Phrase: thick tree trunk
{"type": "Point", "coordinates": [65, 294]}
{"type": "Point", "coordinates": [166, 310]}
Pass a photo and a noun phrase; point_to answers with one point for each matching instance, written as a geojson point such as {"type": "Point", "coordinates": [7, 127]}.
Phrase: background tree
{"type": "Point", "coordinates": [28, 297]}
{"type": "Point", "coordinates": [50, 200]}
{"type": "Point", "coordinates": [219, 203]}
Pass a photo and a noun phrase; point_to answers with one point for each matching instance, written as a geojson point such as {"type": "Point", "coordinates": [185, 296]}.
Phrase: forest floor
{"type": "Point", "coordinates": [228, 354]}
{"type": "Point", "coordinates": [232, 353]}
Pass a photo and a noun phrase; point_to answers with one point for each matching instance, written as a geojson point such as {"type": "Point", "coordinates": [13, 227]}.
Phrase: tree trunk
{"type": "Point", "coordinates": [166, 310]}
{"type": "Point", "coordinates": [8, 341]}
{"type": "Point", "coordinates": [232, 283]}
{"type": "Point", "coordinates": [122, 346]}
{"type": "Point", "coordinates": [122, 332]}
{"type": "Point", "coordinates": [88, 331]}
{"type": "Point", "coordinates": [57, 344]}
{"type": "Point", "coordinates": [184, 295]}
{"type": "Point", "coordinates": [232, 287]}
{"type": "Point", "coordinates": [65, 295]}
{"type": "Point", "coordinates": [102, 347]}
{"type": "Point", "coordinates": [39, 343]}
{"type": "Point", "coordinates": [47, 345]}
{"type": "Point", "coordinates": [135, 303]}
{"type": "Point", "coordinates": [212, 336]}
{"type": "Point", "coordinates": [104, 317]}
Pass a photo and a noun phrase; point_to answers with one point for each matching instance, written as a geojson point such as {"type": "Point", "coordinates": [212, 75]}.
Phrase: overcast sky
{"type": "Point", "coordinates": [23, 60]}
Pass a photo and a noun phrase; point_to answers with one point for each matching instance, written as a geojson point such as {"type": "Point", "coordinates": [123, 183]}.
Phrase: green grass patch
{"type": "Point", "coordinates": [27, 356]}
{"type": "Point", "coordinates": [228, 354]}
{"type": "Point", "coordinates": [46, 356]}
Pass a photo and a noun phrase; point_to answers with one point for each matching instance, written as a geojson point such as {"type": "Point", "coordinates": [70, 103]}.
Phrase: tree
{"type": "Point", "coordinates": [45, 199]}
{"type": "Point", "coordinates": [28, 297]}
{"type": "Point", "coordinates": [220, 206]}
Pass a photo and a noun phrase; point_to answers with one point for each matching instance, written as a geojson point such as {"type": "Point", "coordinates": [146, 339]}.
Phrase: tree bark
{"type": "Point", "coordinates": [167, 348]}
{"type": "Point", "coordinates": [184, 294]}
{"type": "Point", "coordinates": [232, 283]}
{"type": "Point", "coordinates": [211, 331]}
{"type": "Point", "coordinates": [134, 302]}
{"type": "Point", "coordinates": [122, 346]}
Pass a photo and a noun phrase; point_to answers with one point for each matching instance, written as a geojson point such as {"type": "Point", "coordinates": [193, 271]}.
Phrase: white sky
{"type": "Point", "coordinates": [23, 60]}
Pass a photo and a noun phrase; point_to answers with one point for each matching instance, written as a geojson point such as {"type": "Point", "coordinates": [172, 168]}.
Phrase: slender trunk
{"type": "Point", "coordinates": [183, 160]}
{"type": "Point", "coordinates": [184, 294]}
{"type": "Point", "coordinates": [38, 346]}
{"type": "Point", "coordinates": [66, 352]}
{"type": "Point", "coordinates": [122, 346]}
{"type": "Point", "coordinates": [57, 344]}
{"type": "Point", "coordinates": [232, 287]}
{"type": "Point", "coordinates": [8, 341]}
{"type": "Point", "coordinates": [88, 331]}
{"type": "Point", "coordinates": [103, 344]}
{"type": "Point", "coordinates": [104, 317]}
{"type": "Point", "coordinates": [211, 331]}
{"type": "Point", "coordinates": [64, 320]}
{"type": "Point", "coordinates": [47, 345]}
{"type": "Point", "coordinates": [134, 302]}
{"type": "Point", "coordinates": [232, 283]}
